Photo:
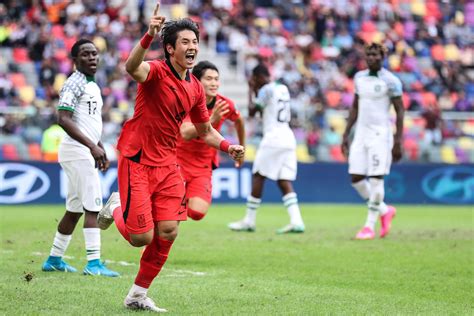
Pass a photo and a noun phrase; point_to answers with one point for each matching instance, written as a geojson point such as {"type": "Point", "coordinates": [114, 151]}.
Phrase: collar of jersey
{"type": "Point", "coordinates": [211, 104]}
{"type": "Point", "coordinates": [175, 73]}
{"type": "Point", "coordinates": [374, 73]}
{"type": "Point", "coordinates": [88, 78]}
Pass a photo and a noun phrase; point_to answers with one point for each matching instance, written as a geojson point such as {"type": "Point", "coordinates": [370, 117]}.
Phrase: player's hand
{"type": "Point", "coordinates": [100, 157]}
{"type": "Point", "coordinates": [156, 21]}
{"type": "Point", "coordinates": [236, 152]}
{"type": "Point", "coordinates": [345, 147]}
{"type": "Point", "coordinates": [220, 109]}
{"type": "Point", "coordinates": [397, 151]}
{"type": "Point", "coordinates": [239, 163]}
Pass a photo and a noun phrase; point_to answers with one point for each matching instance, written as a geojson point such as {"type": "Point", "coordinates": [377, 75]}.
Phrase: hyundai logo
{"type": "Point", "coordinates": [20, 183]}
{"type": "Point", "coordinates": [450, 185]}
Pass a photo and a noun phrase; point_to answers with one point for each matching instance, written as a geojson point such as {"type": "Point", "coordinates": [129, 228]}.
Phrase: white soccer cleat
{"type": "Point", "coordinates": [242, 226]}
{"type": "Point", "coordinates": [105, 217]}
{"type": "Point", "coordinates": [140, 301]}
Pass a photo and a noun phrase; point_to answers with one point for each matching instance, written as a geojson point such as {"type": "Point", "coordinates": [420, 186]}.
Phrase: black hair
{"type": "Point", "coordinates": [77, 45]}
{"type": "Point", "coordinates": [379, 47]}
{"type": "Point", "coordinates": [170, 30]}
{"type": "Point", "coordinates": [201, 67]}
{"type": "Point", "coordinates": [261, 70]}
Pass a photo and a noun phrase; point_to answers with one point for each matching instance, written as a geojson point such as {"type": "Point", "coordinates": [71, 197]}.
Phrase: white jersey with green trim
{"type": "Point", "coordinates": [81, 95]}
{"type": "Point", "coordinates": [375, 93]}
{"type": "Point", "coordinates": [274, 101]}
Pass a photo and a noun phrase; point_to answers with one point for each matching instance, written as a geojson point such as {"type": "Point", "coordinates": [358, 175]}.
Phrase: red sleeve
{"type": "Point", "coordinates": [199, 112]}
{"type": "Point", "coordinates": [156, 70]}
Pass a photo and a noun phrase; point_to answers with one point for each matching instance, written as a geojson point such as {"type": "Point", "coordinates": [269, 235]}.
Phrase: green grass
{"type": "Point", "coordinates": [425, 266]}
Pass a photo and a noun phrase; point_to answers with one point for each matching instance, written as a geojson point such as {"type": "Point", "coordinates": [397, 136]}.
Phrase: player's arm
{"type": "Point", "coordinates": [66, 122]}
{"type": "Point", "coordinates": [107, 161]}
{"type": "Point", "coordinates": [253, 107]}
{"type": "Point", "coordinates": [353, 113]}
{"type": "Point", "coordinates": [135, 65]}
{"type": "Point", "coordinates": [214, 139]}
{"type": "Point", "coordinates": [397, 140]}
{"type": "Point", "coordinates": [240, 129]}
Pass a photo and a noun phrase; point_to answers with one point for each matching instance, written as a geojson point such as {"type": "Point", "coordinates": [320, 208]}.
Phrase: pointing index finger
{"type": "Point", "coordinates": [157, 8]}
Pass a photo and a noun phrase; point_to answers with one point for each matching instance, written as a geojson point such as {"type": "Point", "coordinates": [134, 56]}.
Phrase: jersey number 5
{"type": "Point", "coordinates": [284, 111]}
{"type": "Point", "coordinates": [92, 107]}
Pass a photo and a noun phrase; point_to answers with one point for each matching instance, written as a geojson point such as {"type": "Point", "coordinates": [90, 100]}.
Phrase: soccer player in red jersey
{"type": "Point", "coordinates": [195, 159]}
{"type": "Point", "coordinates": [150, 184]}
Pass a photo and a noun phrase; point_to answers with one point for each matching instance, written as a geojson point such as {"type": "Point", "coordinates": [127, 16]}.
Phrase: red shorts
{"type": "Point", "coordinates": [198, 184]}
{"type": "Point", "coordinates": [150, 194]}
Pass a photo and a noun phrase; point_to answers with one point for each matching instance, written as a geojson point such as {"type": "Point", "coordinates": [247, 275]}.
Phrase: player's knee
{"type": "Point", "coordinates": [140, 240]}
{"type": "Point", "coordinates": [377, 190]}
{"type": "Point", "coordinates": [196, 215]}
{"type": "Point", "coordinates": [168, 232]}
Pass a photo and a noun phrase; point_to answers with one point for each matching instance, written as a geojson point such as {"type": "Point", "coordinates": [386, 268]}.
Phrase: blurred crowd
{"type": "Point", "coordinates": [315, 47]}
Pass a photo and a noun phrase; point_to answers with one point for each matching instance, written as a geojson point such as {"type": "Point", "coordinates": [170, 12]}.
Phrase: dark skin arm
{"type": "Point", "coordinates": [252, 92]}
{"type": "Point", "coordinates": [354, 112]}
{"type": "Point", "coordinates": [97, 150]}
{"type": "Point", "coordinates": [397, 140]}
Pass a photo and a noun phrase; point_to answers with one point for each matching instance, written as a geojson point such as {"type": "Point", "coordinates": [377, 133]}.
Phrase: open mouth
{"type": "Point", "coordinates": [190, 56]}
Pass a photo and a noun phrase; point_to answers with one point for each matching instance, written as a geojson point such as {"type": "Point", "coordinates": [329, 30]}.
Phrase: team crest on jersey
{"type": "Point", "coordinates": [98, 201]}
{"type": "Point", "coordinates": [377, 88]}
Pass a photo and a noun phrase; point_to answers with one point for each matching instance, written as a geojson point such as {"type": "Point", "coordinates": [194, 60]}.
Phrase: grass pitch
{"type": "Point", "coordinates": [425, 266]}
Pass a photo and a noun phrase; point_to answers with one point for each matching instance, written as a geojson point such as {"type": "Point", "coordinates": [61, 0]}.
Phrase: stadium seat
{"type": "Point", "coordinates": [302, 154]}
{"type": "Point", "coordinates": [336, 153]}
{"type": "Point", "coordinates": [10, 152]}
{"type": "Point", "coordinates": [250, 151]}
{"type": "Point", "coordinates": [17, 79]}
{"type": "Point", "coordinates": [448, 155]}
{"type": "Point", "coordinates": [34, 150]}
{"type": "Point", "coordinates": [333, 98]}
{"type": "Point", "coordinates": [27, 94]}
{"type": "Point", "coordinates": [59, 81]}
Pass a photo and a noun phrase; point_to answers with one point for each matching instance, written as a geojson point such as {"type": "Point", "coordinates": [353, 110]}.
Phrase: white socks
{"type": "Point", "coordinates": [252, 205]}
{"type": "Point", "coordinates": [92, 240]}
{"type": "Point", "coordinates": [135, 289]}
{"type": "Point", "coordinates": [60, 244]}
{"type": "Point", "coordinates": [362, 187]}
{"type": "Point", "coordinates": [290, 200]}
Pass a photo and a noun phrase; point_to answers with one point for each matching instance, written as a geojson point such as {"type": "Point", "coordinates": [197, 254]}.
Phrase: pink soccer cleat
{"type": "Point", "coordinates": [365, 233]}
{"type": "Point", "coordinates": [386, 221]}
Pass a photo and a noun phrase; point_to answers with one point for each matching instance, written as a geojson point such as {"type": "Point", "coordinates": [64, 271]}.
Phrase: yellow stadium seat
{"type": "Point", "coordinates": [123, 106]}
{"type": "Point", "coordinates": [250, 151]}
{"type": "Point", "coordinates": [302, 154]}
{"type": "Point", "coordinates": [448, 155]}
{"type": "Point", "coordinates": [338, 122]}
{"type": "Point", "coordinates": [466, 143]}
{"type": "Point", "coordinates": [59, 82]}
{"type": "Point", "coordinates": [27, 94]}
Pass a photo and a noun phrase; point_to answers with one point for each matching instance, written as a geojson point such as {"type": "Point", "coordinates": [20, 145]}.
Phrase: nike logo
{"type": "Point", "coordinates": [179, 213]}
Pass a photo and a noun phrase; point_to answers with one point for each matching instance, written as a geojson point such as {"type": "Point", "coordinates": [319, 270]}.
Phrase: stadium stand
{"type": "Point", "coordinates": [314, 46]}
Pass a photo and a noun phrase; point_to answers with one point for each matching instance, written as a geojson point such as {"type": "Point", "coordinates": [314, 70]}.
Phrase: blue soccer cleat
{"type": "Point", "coordinates": [95, 267]}
{"type": "Point", "coordinates": [57, 264]}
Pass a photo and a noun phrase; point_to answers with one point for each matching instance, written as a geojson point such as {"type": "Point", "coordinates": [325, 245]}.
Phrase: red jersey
{"type": "Point", "coordinates": [162, 102]}
{"type": "Point", "coordinates": [195, 154]}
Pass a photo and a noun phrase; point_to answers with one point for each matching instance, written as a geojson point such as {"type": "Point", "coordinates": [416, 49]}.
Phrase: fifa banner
{"type": "Point", "coordinates": [39, 183]}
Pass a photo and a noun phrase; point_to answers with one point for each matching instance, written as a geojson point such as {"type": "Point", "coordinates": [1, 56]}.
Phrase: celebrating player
{"type": "Point", "coordinates": [80, 154]}
{"type": "Point", "coordinates": [150, 184]}
{"type": "Point", "coordinates": [374, 146]}
{"type": "Point", "coordinates": [196, 160]}
{"type": "Point", "coordinates": [276, 155]}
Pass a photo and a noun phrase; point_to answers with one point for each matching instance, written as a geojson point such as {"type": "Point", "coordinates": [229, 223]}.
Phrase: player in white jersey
{"type": "Point", "coordinates": [276, 155]}
{"type": "Point", "coordinates": [374, 145]}
{"type": "Point", "coordinates": [81, 154]}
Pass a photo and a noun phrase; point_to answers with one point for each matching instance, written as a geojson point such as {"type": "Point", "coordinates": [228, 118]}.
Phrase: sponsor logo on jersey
{"type": "Point", "coordinates": [21, 183]}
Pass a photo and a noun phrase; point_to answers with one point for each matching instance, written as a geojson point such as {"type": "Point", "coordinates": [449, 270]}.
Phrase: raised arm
{"type": "Point", "coordinates": [350, 122]}
{"type": "Point", "coordinates": [135, 65]}
{"type": "Point", "coordinates": [240, 129]}
{"type": "Point", "coordinates": [397, 140]}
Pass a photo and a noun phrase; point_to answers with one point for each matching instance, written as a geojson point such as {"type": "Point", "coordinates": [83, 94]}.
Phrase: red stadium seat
{"type": "Point", "coordinates": [34, 150]}
{"type": "Point", "coordinates": [10, 152]}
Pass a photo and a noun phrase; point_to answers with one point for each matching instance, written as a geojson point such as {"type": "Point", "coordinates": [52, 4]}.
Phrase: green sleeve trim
{"type": "Point", "coordinates": [65, 108]}
{"type": "Point", "coordinates": [259, 106]}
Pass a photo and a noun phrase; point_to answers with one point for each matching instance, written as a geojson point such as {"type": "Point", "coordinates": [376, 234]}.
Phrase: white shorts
{"type": "Point", "coordinates": [83, 189]}
{"type": "Point", "coordinates": [371, 158]}
{"type": "Point", "coordinates": [276, 163]}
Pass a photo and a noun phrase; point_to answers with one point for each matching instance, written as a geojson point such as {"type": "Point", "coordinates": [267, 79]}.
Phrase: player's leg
{"type": "Point", "coordinates": [290, 200]}
{"type": "Point", "coordinates": [381, 156]}
{"type": "Point", "coordinates": [168, 210]}
{"type": "Point", "coordinates": [89, 192]}
{"type": "Point", "coordinates": [253, 202]}
{"type": "Point", "coordinates": [199, 195]}
{"type": "Point", "coordinates": [66, 226]}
